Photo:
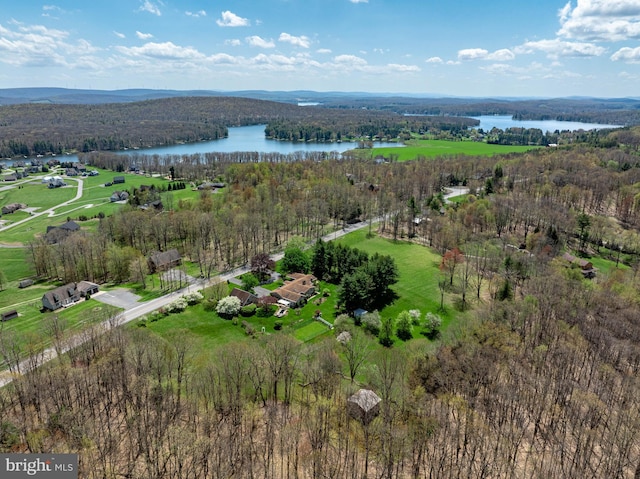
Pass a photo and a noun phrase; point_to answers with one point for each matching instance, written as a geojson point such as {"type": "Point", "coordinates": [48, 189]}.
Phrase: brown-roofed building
{"type": "Point", "coordinates": [245, 297]}
{"type": "Point", "coordinates": [297, 291]}
{"type": "Point", "coordinates": [164, 260]}
{"type": "Point", "coordinates": [586, 267]}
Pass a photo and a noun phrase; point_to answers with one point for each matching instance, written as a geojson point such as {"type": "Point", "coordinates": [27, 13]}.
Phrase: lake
{"type": "Point", "coordinates": [487, 122]}
{"type": "Point", "coordinates": [242, 138]}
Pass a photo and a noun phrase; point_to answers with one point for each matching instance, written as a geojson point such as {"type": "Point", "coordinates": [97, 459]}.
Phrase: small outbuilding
{"type": "Point", "coordinates": [25, 283]}
{"type": "Point", "coordinates": [364, 406]}
{"type": "Point", "coordinates": [9, 315]}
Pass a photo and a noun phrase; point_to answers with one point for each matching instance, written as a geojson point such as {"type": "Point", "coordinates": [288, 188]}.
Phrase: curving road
{"type": "Point", "coordinates": [50, 211]}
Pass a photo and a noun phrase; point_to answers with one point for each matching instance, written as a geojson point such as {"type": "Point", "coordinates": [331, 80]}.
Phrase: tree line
{"type": "Point", "coordinates": [540, 380]}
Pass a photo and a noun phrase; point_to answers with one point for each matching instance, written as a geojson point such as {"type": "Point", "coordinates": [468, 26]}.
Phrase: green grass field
{"type": "Point", "coordinates": [95, 200]}
{"type": "Point", "coordinates": [415, 149]}
{"type": "Point", "coordinates": [418, 268]}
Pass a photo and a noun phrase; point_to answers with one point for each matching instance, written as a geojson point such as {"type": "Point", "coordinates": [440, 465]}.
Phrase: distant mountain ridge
{"type": "Point", "coordinates": [55, 95]}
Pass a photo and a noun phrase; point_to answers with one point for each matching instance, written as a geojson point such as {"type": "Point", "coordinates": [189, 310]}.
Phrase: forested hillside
{"type": "Point", "coordinates": [43, 129]}
{"type": "Point", "coordinates": [540, 380]}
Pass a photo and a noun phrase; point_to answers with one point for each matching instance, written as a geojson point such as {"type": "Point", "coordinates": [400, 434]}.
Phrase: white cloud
{"type": "Point", "coordinates": [600, 20]}
{"type": "Point", "coordinates": [502, 55]}
{"type": "Point", "coordinates": [37, 45]}
{"type": "Point", "coordinates": [403, 68]}
{"type": "Point", "coordinates": [434, 60]}
{"type": "Point", "coordinates": [301, 41]}
{"type": "Point", "coordinates": [234, 42]}
{"type": "Point", "coordinates": [150, 7]}
{"type": "Point", "coordinates": [628, 55]}
{"type": "Point", "coordinates": [350, 60]}
{"type": "Point", "coordinates": [558, 48]}
{"type": "Point", "coordinates": [166, 50]}
{"type": "Point", "coordinates": [323, 51]}
{"type": "Point", "coordinates": [359, 1]}
{"type": "Point", "coordinates": [230, 19]}
{"type": "Point", "coordinates": [143, 36]}
{"type": "Point", "coordinates": [200, 13]}
{"type": "Point", "coordinates": [119, 35]}
{"type": "Point", "coordinates": [256, 41]}
{"type": "Point", "coordinates": [472, 54]}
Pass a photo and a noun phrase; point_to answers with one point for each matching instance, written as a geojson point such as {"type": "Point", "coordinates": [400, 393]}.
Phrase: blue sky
{"type": "Point", "coordinates": [543, 48]}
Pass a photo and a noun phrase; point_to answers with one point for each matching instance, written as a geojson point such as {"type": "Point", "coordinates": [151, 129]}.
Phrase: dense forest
{"type": "Point", "coordinates": [542, 381]}
{"type": "Point", "coordinates": [32, 129]}
{"type": "Point", "coordinates": [42, 129]}
{"type": "Point", "coordinates": [624, 111]}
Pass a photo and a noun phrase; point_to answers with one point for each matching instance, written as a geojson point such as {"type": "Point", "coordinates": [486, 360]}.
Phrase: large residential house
{"type": "Point", "coordinates": [164, 260]}
{"type": "Point", "coordinates": [297, 291]}
{"type": "Point", "coordinates": [55, 234]}
{"type": "Point", "coordinates": [12, 207]}
{"type": "Point", "coordinates": [68, 294]}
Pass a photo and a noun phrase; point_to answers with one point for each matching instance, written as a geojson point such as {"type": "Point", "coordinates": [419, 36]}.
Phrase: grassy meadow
{"type": "Point", "coordinates": [417, 288]}
{"type": "Point", "coordinates": [415, 149]}
{"type": "Point", "coordinates": [95, 200]}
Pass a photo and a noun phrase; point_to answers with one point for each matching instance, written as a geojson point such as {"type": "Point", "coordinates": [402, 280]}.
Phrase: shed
{"type": "Point", "coordinates": [9, 315]}
{"type": "Point", "coordinates": [118, 180]}
{"type": "Point", "coordinates": [25, 283]}
{"type": "Point", "coordinates": [364, 406]}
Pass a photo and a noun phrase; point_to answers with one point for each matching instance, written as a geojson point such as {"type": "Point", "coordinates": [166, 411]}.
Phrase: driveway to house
{"type": "Point", "coordinates": [133, 309]}
{"type": "Point", "coordinates": [120, 298]}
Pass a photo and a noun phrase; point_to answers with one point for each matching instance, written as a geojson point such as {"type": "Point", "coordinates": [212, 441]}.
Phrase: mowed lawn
{"type": "Point", "coordinates": [95, 200]}
{"type": "Point", "coordinates": [418, 268]}
{"type": "Point", "coordinates": [415, 149]}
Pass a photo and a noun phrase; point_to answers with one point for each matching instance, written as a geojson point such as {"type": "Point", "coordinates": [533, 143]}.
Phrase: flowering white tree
{"type": "Point", "coordinates": [228, 306]}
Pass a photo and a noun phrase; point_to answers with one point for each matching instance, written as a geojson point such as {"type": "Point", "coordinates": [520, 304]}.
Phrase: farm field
{"type": "Point", "coordinates": [432, 148]}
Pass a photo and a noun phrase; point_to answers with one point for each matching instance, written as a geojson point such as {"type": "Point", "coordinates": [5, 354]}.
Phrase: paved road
{"type": "Point", "coordinates": [137, 309]}
{"type": "Point", "coordinates": [51, 211]}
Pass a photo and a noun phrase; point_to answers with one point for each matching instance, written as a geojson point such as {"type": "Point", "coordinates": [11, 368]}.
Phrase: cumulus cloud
{"type": "Point", "coordinates": [323, 51]}
{"type": "Point", "coordinates": [600, 20]}
{"type": "Point", "coordinates": [359, 1]}
{"type": "Point", "coordinates": [119, 35]}
{"type": "Point", "coordinates": [403, 68]}
{"type": "Point", "coordinates": [472, 54]}
{"type": "Point", "coordinates": [149, 7]}
{"type": "Point", "coordinates": [230, 19]}
{"type": "Point", "coordinates": [37, 45]}
{"type": "Point", "coordinates": [628, 55]}
{"type": "Point", "coordinates": [436, 60]}
{"type": "Point", "coordinates": [301, 41]}
{"type": "Point", "coordinates": [234, 42]}
{"type": "Point", "coordinates": [351, 60]}
{"type": "Point", "coordinates": [502, 55]}
{"type": "Point", "coordinates": [199, 13]}
{"type": "Point", "coordinates": [559, 48]}
{"type": "Point", "coordinates": [143, 36]}
{"type": "Point", "coordinates": [166, 50]}
{"type": "Point", "coordinates": [256, 41]}
{"type": "Point", "coordinates": [469, 54]}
